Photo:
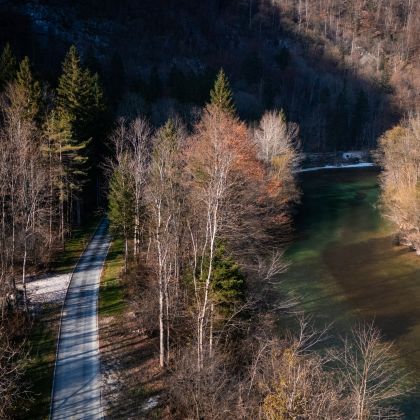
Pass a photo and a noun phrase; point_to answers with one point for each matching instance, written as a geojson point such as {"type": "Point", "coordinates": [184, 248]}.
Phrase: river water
{"type": "Point", "coordinates": [344, 266]}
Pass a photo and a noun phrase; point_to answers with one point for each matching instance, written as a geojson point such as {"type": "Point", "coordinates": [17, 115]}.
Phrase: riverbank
{"type": "Point", "coordinates": [336, 160]}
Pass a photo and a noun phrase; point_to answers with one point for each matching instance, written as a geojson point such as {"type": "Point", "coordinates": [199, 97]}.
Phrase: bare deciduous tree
{"type": "Point", "coordinates": [164, 202]}
{"type": "Point", "coordinates": [139, 134]}
{"type": "Point", "coordinates": [210, 164]}
{"type": "Point", "coordinates": [25, 202]}
{"type": "Point", "coordinates": [278, 143]}
{"type": "Point", "coordinates": [372, 376]}
{"type": "Point", "coordinates": [399, 155]}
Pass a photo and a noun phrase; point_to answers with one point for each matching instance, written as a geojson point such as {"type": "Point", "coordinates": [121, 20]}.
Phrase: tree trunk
{"type": "Point", "coordinates": [161, 327]}
{"type": "Point", "coordinates": [13, 246]}
{"type": "Point", "coordinates": [136, 235]}
{"type": "Point", "coordinates": [50, 222]}
{"type": "Point", "coordinates": [62, 218]}
{"type": "Point", "coordinates": [167, 324]}
{"type": "Point", "coordinates": [126, 255]}
{"type": "Point", "coordinates": [61, 181]}
{"type": "Point", "coordinates": [25, 297]}
{"type": "Point", "coordinates": [211, 330]}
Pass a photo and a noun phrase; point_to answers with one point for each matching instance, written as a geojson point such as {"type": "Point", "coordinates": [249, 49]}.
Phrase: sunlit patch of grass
{"type": "Point", "coordinates": [111, 295]}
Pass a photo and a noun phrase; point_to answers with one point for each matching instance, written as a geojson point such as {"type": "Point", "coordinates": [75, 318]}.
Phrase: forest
{"type": "Point", "coordinates": [186, 126]}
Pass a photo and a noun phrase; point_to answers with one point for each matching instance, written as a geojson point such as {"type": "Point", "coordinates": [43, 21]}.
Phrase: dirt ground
{"type": "Point", "coordinates": [132, 379]}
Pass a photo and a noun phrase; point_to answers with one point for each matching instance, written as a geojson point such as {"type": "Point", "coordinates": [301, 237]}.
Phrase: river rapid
{"type": "Point", "coordinates": [345, 268]}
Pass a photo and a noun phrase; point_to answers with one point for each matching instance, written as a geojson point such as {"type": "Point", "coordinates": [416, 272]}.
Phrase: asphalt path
{"type": "Point", "coordinates": [76, 390]}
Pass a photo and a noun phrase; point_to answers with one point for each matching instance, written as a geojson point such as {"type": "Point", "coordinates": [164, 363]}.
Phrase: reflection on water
{"type": "Point", "coordinates": [345, 267]}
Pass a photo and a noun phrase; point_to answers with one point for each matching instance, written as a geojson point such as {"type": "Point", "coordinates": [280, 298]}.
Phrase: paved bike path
{"type": "Point", "coordinates": [77, 378]}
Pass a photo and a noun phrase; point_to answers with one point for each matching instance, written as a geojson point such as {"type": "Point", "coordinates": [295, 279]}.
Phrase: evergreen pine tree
{"type": "Point", "coordinates": [221, 94]}
{"type": "Point", "coordinates": [30, 87]}
{"type": "Point", "coordinates": [168, 132]}
{"type": "Point", "coordinates": [79, 95]}
{"type": "Point", "coordinates": [80, 99]}
{"type": "Point", "coordinates": [71, 91]}
{"type": "Point", "coordinates": [166, 142]}
{"type": "Point", "coordinates": [121, 206]}
{"type": "Point", "coordinates": [121, 203]}
{"type": "Point", "coordinates": [228, 283]}
{"type": "Point", "coordinates": [75, 103]}
{"type": "Point", "coordinates": [8, 66]}
{"type": "Point", "coordinates": [67, 158]}
{"type": "Point", "coordinates": [68, 151]}
{"type": "Point", "coordinates": [97, 108]}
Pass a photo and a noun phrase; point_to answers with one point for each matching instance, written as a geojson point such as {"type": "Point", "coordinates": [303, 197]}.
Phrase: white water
{"type": "Point", "coordinates": [344, 166]}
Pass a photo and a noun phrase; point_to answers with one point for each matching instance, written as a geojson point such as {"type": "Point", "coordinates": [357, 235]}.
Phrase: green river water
{"type": "Point", "coordinates": [344, 266]}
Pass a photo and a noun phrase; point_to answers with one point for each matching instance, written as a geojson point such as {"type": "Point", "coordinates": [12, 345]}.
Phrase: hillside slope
{"type": "Point", "coordinates": [345, 71]}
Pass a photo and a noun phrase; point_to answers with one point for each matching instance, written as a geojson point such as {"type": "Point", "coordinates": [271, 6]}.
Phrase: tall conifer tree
{"type": "Point", "coordinates": [79, 95]}
{"type": "Point", "coordinates": [30, 87]}
{"type": "Point", "coordinates": [228, 284]}
{"type": "Point", "coordinates": [67, 161]}
{"type": "Point", "coordinates": [80, 100]}
{"type": "Point", "coordinates": [221, 94]}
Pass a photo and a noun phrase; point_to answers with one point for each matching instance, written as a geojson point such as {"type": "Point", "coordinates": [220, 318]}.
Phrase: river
{"type": "Point", "coordinates": [344, 266]}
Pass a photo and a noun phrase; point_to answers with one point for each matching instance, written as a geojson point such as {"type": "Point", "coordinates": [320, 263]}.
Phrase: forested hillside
{"type": "Point", "coordinates": [343, 70]}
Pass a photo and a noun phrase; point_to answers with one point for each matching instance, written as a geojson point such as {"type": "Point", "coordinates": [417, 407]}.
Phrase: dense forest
{"type": "Point", "coordinates": [187, 124]}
